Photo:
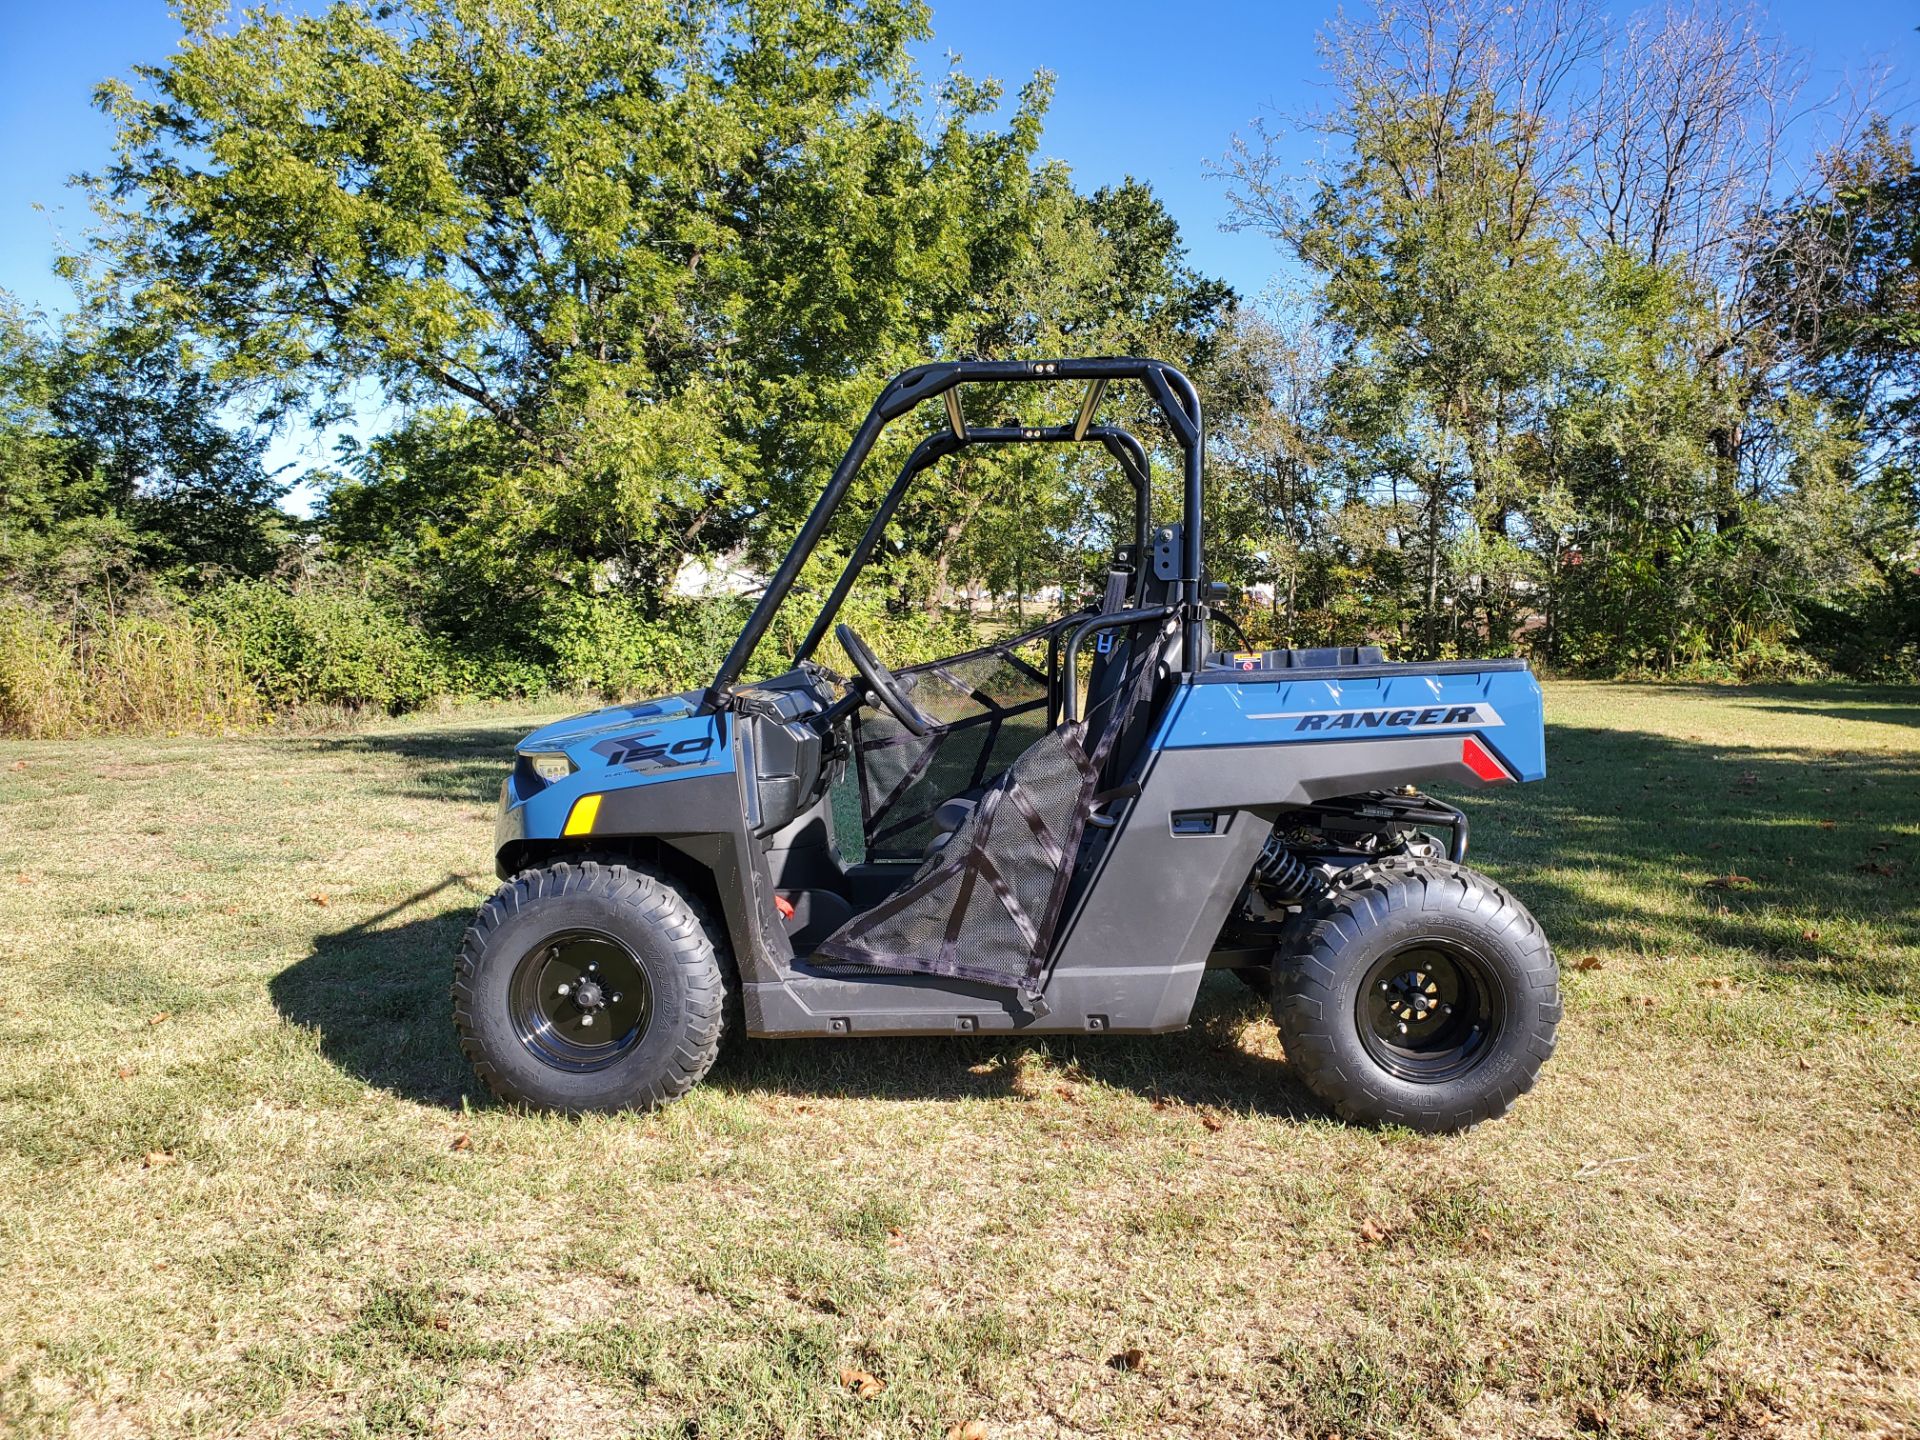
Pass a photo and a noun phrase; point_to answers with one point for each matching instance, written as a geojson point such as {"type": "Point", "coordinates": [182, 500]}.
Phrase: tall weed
{"type": "Point", "coordinates": [118, 673]}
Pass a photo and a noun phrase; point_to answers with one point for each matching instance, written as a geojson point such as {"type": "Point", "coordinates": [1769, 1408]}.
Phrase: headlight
{"type": "Point", "coordinates": [552, 768]}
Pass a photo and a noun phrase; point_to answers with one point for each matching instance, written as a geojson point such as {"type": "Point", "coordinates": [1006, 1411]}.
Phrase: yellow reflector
{"type": "Point", "coordinates": [585, 809]}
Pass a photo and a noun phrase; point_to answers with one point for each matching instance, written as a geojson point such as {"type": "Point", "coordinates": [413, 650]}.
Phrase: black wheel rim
{"type": "Point", "coordinates": [1430, 1011]}
{"type": "Point", "coordinates": [580, 1000]}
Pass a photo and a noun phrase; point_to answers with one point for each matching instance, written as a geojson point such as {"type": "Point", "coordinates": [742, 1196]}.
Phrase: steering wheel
{"type": "Point", "coordinates": [881, 682]}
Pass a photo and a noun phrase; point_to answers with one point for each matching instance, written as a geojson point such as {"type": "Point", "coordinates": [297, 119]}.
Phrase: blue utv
{"type": "Point", "coordinates": [1061, 832]}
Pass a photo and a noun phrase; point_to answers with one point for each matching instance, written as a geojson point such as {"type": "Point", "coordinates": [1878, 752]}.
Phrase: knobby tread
{"type": "Point", "coordinates": [676, 918]}
{"type": "Point", "coordinates": [1330, 935]}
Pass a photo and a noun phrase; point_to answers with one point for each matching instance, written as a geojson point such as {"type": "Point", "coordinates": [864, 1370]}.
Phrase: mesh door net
{"type": "Point", "coordinates": [990, 705]}
{"type": "Point", "coordinates": [985, 906]}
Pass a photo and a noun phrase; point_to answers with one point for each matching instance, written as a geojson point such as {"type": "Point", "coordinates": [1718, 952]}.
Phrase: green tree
{"type": "Point", "coordinates": [1625, 485]}
{"type": "Point", "coordinates": [121, 464]}
{"type": "Point", "coordinates": [60, 537]}
{"type": "Point", "coordinates": [660, 251]}
{"type": "Point", "coordinates": [1839, 280]}
{"type": "Point", "coordinates": [1100, 274]}
{"type": "Point", "coordinates": [1440, 270]}
{"type": "Point", "coordinates": [1561, 392]}
{"type": "Point", "coordinates": [162, 438]}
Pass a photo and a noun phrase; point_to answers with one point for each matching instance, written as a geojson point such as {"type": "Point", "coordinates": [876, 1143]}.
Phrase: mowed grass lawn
{"type": "Point", "coordinates": [247, 1185]}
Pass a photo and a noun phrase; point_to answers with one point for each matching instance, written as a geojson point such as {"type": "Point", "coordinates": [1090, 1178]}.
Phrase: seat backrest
{"type": "Point", "coordinates": [1107, 676]}
{"type": "Point", "coordinates": [1104, 673]}
{"type": "Point", "coordinates": [1143, 646]}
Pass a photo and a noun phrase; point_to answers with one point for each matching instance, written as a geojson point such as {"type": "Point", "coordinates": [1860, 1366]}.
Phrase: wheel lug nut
{"type": "Point", "coordinates": [593, 965]}
{"type": "Point", "coordinates": [616, 997]}
{"type": "Point", "coordinates": [588, 1020]}
{"type": "Point", "coordinates": [566, 989]}
{"type": "Point", "coordinates": [1403, 1029]}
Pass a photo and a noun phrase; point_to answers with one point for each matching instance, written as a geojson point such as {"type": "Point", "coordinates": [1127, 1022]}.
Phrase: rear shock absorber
{"type": "Point", "coordinates": [1284, 877]}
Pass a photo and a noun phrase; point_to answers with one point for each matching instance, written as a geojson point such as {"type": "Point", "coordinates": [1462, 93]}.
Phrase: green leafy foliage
{"type": "Point", "coordinates": [315, 645]}
{"type": "Point", "coordinates": [1567, 382]}
{"type": "Point", "coordinates": [121, 468]}
{"type": "Point", "coordinates": [658, 251]}
{"type": "Point", "coordinates": [626, 276]}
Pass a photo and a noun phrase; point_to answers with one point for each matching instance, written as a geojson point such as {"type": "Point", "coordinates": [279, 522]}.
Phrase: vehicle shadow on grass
{"type": "Point", "coordinates": [376, 995]}
{"type": "Point", "coordinates": [1803, 859]}
{"type": "Point", "coordinates": [1206, 1064]}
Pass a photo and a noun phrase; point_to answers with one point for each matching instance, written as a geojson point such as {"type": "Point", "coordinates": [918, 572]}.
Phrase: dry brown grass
{"type": "Point", "coordinates": [247, 1187]}
{"type": "Point", "coordinates": [127, 674]}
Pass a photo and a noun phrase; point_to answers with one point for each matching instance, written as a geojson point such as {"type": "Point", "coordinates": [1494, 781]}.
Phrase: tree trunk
{"type": "Point", "coordinates": [937, 594]}
{"type": "Point", "coordinates": [1433, 575]}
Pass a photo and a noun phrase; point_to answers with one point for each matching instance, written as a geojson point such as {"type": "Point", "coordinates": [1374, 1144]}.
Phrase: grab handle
{"type": "Point", "coordinates": [1069, 674]}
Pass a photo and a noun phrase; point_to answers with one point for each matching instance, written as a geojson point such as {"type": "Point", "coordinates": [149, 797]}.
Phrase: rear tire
{"type": "Point", "coordinates": [1417, 993]}
{"type": "Point", "coordinates": [587, 986]}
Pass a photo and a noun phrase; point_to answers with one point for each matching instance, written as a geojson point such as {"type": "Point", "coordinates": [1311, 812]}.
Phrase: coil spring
{"type": "Point", "coordinates": [1284, 876]}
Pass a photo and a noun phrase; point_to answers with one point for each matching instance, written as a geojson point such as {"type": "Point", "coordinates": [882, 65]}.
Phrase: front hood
{"type": "Point", "coordinates": [620, 748]}
{"type": "Point", "coordinates": [583, 730]}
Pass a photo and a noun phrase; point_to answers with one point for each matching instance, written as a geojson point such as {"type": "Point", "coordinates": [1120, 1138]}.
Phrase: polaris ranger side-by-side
{"type": "Point", "coordinates": [1058, 833]}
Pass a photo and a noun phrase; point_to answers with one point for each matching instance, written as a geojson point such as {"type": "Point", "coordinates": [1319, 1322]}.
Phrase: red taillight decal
{"type": "Point", "coordinates": [1480, 761]}
{"type": "Point", "coordinates": [784, 906]}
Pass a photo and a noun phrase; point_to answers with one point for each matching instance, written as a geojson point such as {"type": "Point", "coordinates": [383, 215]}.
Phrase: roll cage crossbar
{"type": "Point", "coordinates": [1173, 395]}
{"type": "Point", "coordinates": [1119, 443]}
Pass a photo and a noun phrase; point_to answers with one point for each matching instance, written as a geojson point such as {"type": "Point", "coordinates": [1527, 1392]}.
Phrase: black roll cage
{"type": "Point", "coordinates": [1119, 443]}
{"type": "Point", "coordinates": [1173, 394]}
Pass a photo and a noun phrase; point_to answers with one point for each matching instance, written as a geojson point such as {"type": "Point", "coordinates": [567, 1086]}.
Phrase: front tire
{"type": "Point", "coordinates": [587, 986]}
{"type": "Point", "coordinates": [1417, 993]}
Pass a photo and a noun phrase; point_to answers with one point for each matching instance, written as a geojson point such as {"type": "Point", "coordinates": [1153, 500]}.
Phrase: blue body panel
{"type": "Point", "coordinates": [1501, 708]}
{"type": "Point", "coordinates": [629, 746]}
{"type": "Point", "coordinates": [620, 748]}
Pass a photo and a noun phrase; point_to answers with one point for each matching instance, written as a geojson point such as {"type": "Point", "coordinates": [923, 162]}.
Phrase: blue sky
{"type": "Point", "coordinates": [1152, 90]}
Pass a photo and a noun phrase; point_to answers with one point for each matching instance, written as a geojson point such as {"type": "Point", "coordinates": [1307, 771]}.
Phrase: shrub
{"type": "Point", "coordinates": [495, 673]}
{"type": "Point", "coordinates": [609, 646]}
{"type": "Point", "coordinates": [325, 645]}
{"type": "Point", "coordinates": [900, 639]}
{"type": "Point", "coordinates": [241, 652]}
